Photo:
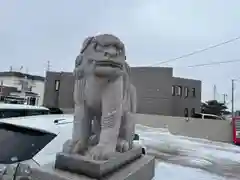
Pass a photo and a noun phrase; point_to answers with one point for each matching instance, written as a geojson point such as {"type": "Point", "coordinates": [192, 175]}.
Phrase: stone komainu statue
{"type": "Point", "coordinates": [103, 97]}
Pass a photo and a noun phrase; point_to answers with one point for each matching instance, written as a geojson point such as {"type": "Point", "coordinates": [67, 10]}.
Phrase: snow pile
{"type": "Point", "coordinates": [193, 154]}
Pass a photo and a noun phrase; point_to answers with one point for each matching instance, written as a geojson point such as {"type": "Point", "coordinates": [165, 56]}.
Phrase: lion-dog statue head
{"type": "Point", "coordinates": [103, 55]}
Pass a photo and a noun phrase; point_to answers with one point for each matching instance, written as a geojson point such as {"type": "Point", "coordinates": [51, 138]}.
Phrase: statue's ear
{"type": "Point", "coordinates": [86, 43]}
{"type": "Point", "coordinates": [78, 60]}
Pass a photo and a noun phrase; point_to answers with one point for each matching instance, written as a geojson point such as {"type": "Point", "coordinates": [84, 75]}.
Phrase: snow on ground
{"type": "Point", "coordinates": [185, 158]}
{"type": "Point", "coordinates": [177, 157]}
{"type": "Point", "coordinates": [177, 172]}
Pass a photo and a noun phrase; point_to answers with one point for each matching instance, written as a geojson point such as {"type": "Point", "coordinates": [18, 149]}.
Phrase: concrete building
{"type": "Point", "coordinates": [24, 85]}
{"type": "Point", "coordinates": [158, 92]}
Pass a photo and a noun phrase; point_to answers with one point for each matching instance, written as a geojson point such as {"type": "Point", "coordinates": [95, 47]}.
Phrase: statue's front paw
{"type": "Point", "coordinates": [78, 148]}
{"type": "Point", "coordinates": [122, 146]}
{"type": "Point", "coordinates": [67, 146]}
{"type": "Point", "coordinates": [100, 152]}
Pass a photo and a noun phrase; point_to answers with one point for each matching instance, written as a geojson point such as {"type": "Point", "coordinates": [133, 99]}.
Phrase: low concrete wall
{"type": "Point", "coordinates": [215, 130]}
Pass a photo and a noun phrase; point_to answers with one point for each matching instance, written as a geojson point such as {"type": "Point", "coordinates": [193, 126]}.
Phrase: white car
{"type": "Point", "coordinates": [34, 140]}
{"type": "Point", "coordinates": [207, 116]}
{"type": "Point", "coordinates": [31, 140]}
{"type": "Point", "coordinates": [33, 137]}
{"type": "Point", "coordinates": [19, 110]}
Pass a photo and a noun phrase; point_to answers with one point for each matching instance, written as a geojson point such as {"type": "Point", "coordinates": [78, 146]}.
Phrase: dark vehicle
{"type": "Point", "coordinates": [54, 110]}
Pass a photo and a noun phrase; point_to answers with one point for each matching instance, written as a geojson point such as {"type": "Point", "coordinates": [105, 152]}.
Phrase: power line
{"type": "Point", "coordinates": [198, 51]}
{"type": "Point", "coordinates": [215, 63]}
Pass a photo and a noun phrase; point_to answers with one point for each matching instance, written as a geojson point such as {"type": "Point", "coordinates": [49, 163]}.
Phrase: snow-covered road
{"type": "Point", "coordinates": [185, 158]}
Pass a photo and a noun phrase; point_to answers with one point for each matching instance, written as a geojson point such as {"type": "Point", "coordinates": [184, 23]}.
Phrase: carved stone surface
{"type": "Point", "coordinates": [102, 141]}
{"type": "Point", "coordinates": [96, 169]}
{"type": "Point", "coordinates": [103, 97]}
{"type": "Point", "coordinates": [140, 169]}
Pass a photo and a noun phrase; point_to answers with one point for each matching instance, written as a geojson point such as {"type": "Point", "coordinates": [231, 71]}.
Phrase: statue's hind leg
{"type": "Point", "coordinates": [127, 129]}
{"type": "Point", "coordinates": [81, 124]}
{"type": "Point", "coordinates": [81, 130]}
{"type": "Point", "coordinates": [126, 134]}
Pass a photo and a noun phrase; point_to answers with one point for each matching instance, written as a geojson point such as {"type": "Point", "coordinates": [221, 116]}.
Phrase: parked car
{"type": "Point", "coordinates": [207, 116]}
{"type": "Point", "coordinates": [55, 110]}
{"type": "Point", "coordinates": [19, 110]}
{"type": "Point", "coordinates": [33, 140]}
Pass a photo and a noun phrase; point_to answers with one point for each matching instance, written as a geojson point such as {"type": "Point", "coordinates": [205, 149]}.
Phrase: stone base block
{"type": "Point", "coordinates": [96, 169]}
{"type": "Point", "coordinates": [142, 168]}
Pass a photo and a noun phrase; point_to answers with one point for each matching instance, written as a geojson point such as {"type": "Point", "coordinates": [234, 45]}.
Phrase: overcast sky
{"type": "Point", "coordinates": [33, 32]}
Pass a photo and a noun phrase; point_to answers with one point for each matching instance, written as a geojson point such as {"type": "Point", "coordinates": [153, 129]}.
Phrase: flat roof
{"type": "Point", "coordinates": [21, 75]}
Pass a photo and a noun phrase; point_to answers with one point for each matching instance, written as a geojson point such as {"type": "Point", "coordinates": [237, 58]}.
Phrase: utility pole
{"type": "Point", "coordinates": [224, 98]}
{"type": "Point", "coordinates": [48, 65]}
{"type": "Point", "coordinates": [214, 92]}
{"type": "Point", "coordinates": [233, 97]}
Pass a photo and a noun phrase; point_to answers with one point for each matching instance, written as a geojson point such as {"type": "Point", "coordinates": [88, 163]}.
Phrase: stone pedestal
{"type": "Point", "coordinates": [131, 166]}
{"type": "Point", "coordinates": [96, 169]}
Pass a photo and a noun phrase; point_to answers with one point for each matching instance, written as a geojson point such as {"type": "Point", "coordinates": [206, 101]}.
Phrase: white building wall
{"type": "Point", "coordinates": [39, 89]}
{"type": "Point", "coordinates": [37, 86]}
{"type": "Point", "coordinates": [10, 81]}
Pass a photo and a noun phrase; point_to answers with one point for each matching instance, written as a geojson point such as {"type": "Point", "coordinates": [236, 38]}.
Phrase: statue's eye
{"type": "Point", "coordinates": [90, 61]}
{"type": "Point", "coordinates": [98, 47]}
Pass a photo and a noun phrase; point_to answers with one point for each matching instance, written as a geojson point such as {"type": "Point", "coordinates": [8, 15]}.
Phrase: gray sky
{"type": "Point", "coordinates": [33, 32]}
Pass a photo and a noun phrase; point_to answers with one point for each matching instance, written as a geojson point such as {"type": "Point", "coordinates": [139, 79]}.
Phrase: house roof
{"type": "Point", "coordinates": [21, 75]}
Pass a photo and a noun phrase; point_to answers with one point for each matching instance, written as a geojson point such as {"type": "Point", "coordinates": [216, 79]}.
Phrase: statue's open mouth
{"type": "Point", "coordinates": [109, 64]}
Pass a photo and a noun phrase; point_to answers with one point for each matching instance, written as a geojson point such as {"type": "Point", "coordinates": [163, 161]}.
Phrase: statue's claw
{"type": "Point", "coordinates": [79, 148]}
{"type": "Point", "coordinates": [99, 152]}
{"type": "Point", "coordinates": [122, 146]}
{"type": "Point", "coordinates": [75, 147]}
{"type": "Point", "coordinates": [67, 146]}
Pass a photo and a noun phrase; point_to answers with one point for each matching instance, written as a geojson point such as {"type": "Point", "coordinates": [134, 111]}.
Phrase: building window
{"type": "Point", "coordinates": [192, 112]}
{"type": "Point", "coordinates": [173, 91]}
{"type": "Point", "coordinates": [186, 112]}
{"type": "Point", "coordinates": [178, 90]}
{"type": "Point", "coordinates": [186, 92]}
{"type": "Point", "coordinates": [57, 85]}
{"type": "Point", "coordinates": [193, 92]}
